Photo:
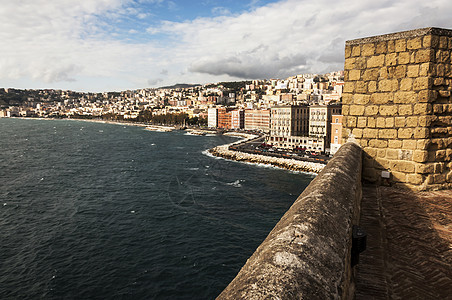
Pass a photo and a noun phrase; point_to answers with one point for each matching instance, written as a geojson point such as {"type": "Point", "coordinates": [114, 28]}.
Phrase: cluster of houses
{"type": "Point", "coordinates": [299, 112]}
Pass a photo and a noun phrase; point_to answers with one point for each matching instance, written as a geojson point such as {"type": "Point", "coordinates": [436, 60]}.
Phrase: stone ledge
{"type": "Point", "coordinates": [401, 35]}
{"type": "Point", "coordinates": [307, 254]}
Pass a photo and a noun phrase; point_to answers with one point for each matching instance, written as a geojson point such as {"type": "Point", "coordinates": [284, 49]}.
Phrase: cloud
{"type": "Point", "coordinates": [295, 35]}
{"type": "Point", "coordinates": [61, 43]}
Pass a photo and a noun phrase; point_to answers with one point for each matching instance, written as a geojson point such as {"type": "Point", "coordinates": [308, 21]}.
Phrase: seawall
{"type": "Point", "coordinates": [285, 163]}
{"type": "Point", "coordinates": [307, 254]}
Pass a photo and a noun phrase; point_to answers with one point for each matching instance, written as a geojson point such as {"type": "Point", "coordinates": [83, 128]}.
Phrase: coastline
{"type": "Point", "coordinates": [223, 151]}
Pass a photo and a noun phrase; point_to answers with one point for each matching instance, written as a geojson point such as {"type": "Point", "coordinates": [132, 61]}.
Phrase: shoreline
{"type": "Point", "coordinates": [223, 151]}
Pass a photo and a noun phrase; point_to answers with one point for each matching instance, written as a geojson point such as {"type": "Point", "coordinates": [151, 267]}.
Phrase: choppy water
{"type": "Point", "coordinates": [100, 211]}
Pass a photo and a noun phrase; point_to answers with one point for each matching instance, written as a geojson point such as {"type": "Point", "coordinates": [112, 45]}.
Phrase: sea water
{"type": "Point", "coordinates": [102, 211]}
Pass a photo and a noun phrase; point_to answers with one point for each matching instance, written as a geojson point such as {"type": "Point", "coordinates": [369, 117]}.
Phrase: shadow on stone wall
{"type": "Point", "coordinates": [307, 254]}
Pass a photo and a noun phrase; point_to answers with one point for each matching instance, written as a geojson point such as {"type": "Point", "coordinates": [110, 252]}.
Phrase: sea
{"type": "Point", "coordinates": [91, 210]}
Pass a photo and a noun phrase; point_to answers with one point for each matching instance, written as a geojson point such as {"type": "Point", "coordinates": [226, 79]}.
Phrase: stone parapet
{"type": "Point", "coordinates": [307, 254]}
{"type": "Point", "coordinates": [397, 105]}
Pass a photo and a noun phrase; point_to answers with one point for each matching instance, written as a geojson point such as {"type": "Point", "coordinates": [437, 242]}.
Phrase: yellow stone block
{"type": "Point", "coordinates": [404, 58]}
{"type": "Point", "coordinates": [440, 70]}
{"type": "Point", "coordinates": [405, 109]}
{"type": "Point", "coordinates": [347, 98]}
{"type": "Point", "coordinates": [361, 99]}
{"type": "Point", "coordinates": [423, 56]}
{"type": "Point", "coordinates": [422, 108]}
{"type": "Point", "coordinates": [372, 86]}
{"type": "Point", "coordinates": [409, 144]}
{"type": "Point", "coordinates": [348, 51]}
{"type": "Point", "coordinates": [415, 179]}
{"type": "Point", "coordinates": [411, 121]}
{"type": "Point", "coordinates": [389, 122]}
{"type": "Point", "coordinates": [375, 143]}
{"type": "Point", "coordinates": [406, 84]}
{"type": "Point", "coordinates": [421, 133]}
{"type": "Point", "coordinates": [381, 122]}
{"type": "Point", "coordinates": [397, 144]}
{"type": "Point", "coordinates": [413, 71]}
{"type": "Point", "coordinates": [357, 133]}
{"type": "Point", "coordinates": [370, 133]}
{"type": "Point", "coordinates": [387, 133]}
{"type": "Point", "coordinates": [376, 61]}
{"type": "Point", "coordinates": [349, 64]}
{"type": "Point", "coordinates": [405, 97]}
{"type": "Point", "coordinates": [371, 110]}
{"type": "Point", "coordinates": [354, 75]}
{"type": "Point", "coordinates": [391, 59]}
{"type": "Point", "coordinates": [415, 43]}
{"type": "Point", "coordinates": [443, 42]}
{"type": "Point", "coordinates": [362, 122]}
{"type": "Point", "coordinates": [372, 152]}
{"type": "Point", "coordinates": [357, 110]}
{"type": "Point", "coordinates": [400, 45]}
{"type": "Point", "coordinates": [398, 176]}
{"type": "Point", "coordinates": [381, 98]}
{"type": "Point", "coordinates": [371, 74]}
{"type": "Point", "coordinates": [423, 144]}
{"type": "Point", "coordinates": [400, 122]}
{"type": "Point", "coordinates": [381, 153]}
{"type": "Point", "coordinates": [371, 123]}
{"type": "Point", "coordinates": [430, 41]}
{"type": "Point", "coordinates": [368, 50]}
{"type": "Point", "coordinates": [426, 96]}
{"type": "Point", "coordinates": [425, 168]}
{"type": "Point", "coordinates": [425, 121]}
{"type": "Point", "coordinates": [422, 83]}
{"type": "Point", "coordinates": [361, 87]}
{"type": "Point", "coordinates": [392, 154]}
{"type": "Point", "coordinates": [405, 133]}
{"type": "Point", "coordinates": [351, 122]}
{"type": "Point", "coordinates": [382, 47]}
{"type": "Point", "coordinates": [426, 69]}
{"type": "Point", "coordinates": [388, 85]}
{"type": "Point", "coordinates": [349, 87]}
{"type": "Point", "coordinates": [402, 166]}
{"type": "Point", "coordinates": [356, 51]}
{"type": "Point", "coordinates": [387, 110]}
{"type": "Point", "coordinates": [420, 156]}
{"type": "Point", "coordinates": [391, 46]}
{"type": "Point", "coordinates": [439, 178]}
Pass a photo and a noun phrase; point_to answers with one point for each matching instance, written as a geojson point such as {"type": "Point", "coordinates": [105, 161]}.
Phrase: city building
{"type": "Point", "coordinates": [336, 133]}
{"type": "Point", "coordinates": [320, 117]}
{"type": "Point", "coordinates": [257, 119]}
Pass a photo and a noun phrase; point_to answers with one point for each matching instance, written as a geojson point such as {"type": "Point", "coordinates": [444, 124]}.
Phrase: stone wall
{"type": "Point", "coordinates": [307, 254]}
{"type": "Point", "coordinates": [397, 106]}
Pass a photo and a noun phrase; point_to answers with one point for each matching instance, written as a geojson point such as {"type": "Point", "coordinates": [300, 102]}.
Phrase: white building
{"type": "Point", "coordinates": [212, 117]}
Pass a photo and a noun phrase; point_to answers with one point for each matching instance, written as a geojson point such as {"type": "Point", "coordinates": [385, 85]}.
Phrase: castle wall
{"type": "Point", "coordinates": [397, 105]}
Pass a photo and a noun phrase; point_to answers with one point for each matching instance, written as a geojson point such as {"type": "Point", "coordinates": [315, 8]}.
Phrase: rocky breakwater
{"type": "Point", "coordinates": [285, 163]}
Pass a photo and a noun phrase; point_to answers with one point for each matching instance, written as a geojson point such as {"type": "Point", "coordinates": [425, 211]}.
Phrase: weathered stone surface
{"type": "Point", "coordinates": [410, 94]}
{"type": "Point", "coordinates": [306, 255]}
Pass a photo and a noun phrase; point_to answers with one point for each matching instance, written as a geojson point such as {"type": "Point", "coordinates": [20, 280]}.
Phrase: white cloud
{"type": "Point", "coordinates": [60, 43]}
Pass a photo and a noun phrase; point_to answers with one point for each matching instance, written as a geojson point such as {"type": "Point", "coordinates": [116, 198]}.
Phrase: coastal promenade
{"type": "Point", "coordinates": [285, 163]}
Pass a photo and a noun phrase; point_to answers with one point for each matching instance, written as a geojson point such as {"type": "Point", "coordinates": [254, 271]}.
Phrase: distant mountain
{"type": "Point", "coordinates": [179, 86]}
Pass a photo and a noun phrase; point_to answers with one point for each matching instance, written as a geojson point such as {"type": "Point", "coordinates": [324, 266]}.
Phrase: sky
{"type": "Point", "coordinates": [115, 45]}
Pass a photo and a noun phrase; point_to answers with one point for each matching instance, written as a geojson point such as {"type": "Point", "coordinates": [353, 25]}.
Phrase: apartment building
{"type": "Point", "coordinates": [336, 133]}
{"type": "Point", "coordinates": [320, 118]}
{"type": "Point", "coordinates": [257, 119]}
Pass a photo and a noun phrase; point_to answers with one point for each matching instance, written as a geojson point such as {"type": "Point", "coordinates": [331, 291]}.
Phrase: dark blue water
{"type": "Point", "coordinates": [101, 211]}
